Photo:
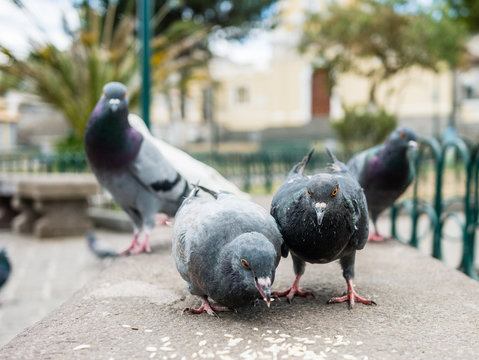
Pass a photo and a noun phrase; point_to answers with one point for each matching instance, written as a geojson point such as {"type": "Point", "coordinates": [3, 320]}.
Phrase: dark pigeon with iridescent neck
{"type": "Point", "coordinates": [384, 172]}
{"type": "Point", "coordinates": [227, 249]}
{"type": "Point", "coordinates": [322, 218]}
{"type": "Point", "coordinates": [130, 166]}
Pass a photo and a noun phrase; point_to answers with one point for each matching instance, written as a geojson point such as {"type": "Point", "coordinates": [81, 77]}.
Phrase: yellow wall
{"type": "Point", "coordinates": [413, 93]}
{"type": "Point", "coordinates": [279, 96]}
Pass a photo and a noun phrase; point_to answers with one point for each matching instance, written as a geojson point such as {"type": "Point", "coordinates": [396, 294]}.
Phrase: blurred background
{"type": "Point", "coordinates": [249, 86]}
{"type": "Point", "coordinates": [241, 76]}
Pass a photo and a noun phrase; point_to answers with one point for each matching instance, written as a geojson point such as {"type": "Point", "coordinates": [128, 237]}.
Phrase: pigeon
{"type": "Point", "coordinates": [5, 267]}
{"type": "Point", "coordinates": [384, 172]}
{"type": "Point", "coordinates": [130, 166]}
{"type": "Point", "coordinates": [322, 218]}
{"type": "Point", "coordinates": [225, 248]}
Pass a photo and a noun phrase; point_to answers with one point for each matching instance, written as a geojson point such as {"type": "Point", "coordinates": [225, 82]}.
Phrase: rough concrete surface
{"type": "Point", "coordinates": [134, 310]}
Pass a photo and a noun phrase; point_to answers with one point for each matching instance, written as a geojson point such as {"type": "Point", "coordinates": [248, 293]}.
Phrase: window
{"type": "Point", "coordinates": [241, 95]}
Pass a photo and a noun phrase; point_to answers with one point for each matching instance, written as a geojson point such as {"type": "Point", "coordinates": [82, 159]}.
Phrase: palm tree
{"type": "Point", "coordinates": [72, 80]}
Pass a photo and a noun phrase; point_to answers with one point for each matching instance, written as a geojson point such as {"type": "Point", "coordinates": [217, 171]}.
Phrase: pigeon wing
{"type": "Point", "coordinates": [191, 169]}
{"type": "Point", "coordinates": [355, 203]}
{"type": "Point", "coordinates": [156, 174]}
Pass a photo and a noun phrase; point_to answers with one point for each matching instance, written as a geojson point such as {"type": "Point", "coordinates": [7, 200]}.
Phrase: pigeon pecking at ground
{"type": "Point", "coordinates": [5, 268]}
{"type": "Point", "coordinates": [384, 172]}
{"type": "Point", "coordinates": [226, 248]}
{"type": "Point", "coordinates": [130, 166]}
{"type": "Point", "coordinates": [322, 218]}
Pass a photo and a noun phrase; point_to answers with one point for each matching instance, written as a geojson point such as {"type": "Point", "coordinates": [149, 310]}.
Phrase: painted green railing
{"type": "Point", "coordinates": [262, 171]}
{"type": "Point", "coordinates": [462, 208]}
{"type": "Point", "coordinates": [249, 171]}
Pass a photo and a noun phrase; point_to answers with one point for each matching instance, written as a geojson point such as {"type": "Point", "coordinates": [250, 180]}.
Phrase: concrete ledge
{"type": "Point", "coordinates": [133, 310]}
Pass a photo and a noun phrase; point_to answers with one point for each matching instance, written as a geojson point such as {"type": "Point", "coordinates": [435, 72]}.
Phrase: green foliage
{"type": "Point", "coordinates": [392, 33]}
{"type": "Point", "coordinates": [239, 16]}
{"type": "Point", "coordinates": [466, 11]}
{"type": "Point", "coordinates": [69, 144]}
{"type": "Point", "coordinates": [72, 80]}
{"type": "Point", "coordinates": [8, 81]}
{"type": "Point", "coordinates": [361, 128]}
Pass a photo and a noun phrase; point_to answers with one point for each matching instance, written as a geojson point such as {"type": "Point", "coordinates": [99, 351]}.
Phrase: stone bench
{"type": "Point", "coordinates": [49, 205]}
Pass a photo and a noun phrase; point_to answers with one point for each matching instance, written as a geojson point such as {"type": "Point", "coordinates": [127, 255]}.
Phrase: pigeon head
{"type": "Point", "coordinates": [322, 192]}
{"type": "Point", "coordinates": [254, 263]}
{"type": "Point", "coordinates": [115, 96]}
{"type": "Point", "coordinates": [404, 138]}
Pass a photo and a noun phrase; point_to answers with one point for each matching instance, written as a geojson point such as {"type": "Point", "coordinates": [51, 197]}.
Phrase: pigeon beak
{"type": "Point", "coordinates": [114, 104]}
{"type": "Point", "coordinates": [263, 284]}
{"type": "Point", "coordinates": [320, 211]}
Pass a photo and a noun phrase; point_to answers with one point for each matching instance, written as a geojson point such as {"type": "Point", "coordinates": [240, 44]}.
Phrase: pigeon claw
{"type": "Point", "coordinates": [351, 297]}
{"type": "Point", "coordinates": [134, 243]}
{"type": "Point", "coordinates": [208, 308]}
{"type": "Point", "coordinates": [291, 292]}
{"type": "Point", "coordinates": [145, 246]}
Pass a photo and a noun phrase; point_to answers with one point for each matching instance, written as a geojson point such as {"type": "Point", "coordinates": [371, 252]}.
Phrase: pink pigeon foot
{"type": "Point", "coordinates": [133, 244]}
{"type": "Point", "coordinates": [293, 290]}
{"type": "Point", "coordinates": [208, 308]}
{"type": "Point", "coordinates": [351, 297]}
{"type": "Point", "coordinates": [144, 246]}
{"type": "Point", "coordinates": [377, 237]}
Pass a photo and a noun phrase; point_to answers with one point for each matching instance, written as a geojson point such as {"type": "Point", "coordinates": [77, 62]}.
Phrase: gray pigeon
{"type": "Point", "coordinates": [384, 172]}
{"type": "Point", "coordinates": [225, 248]}
{"type": "Point", "coordinates": [322, 218]}
{"type": "Point", "coordinates": [130, 166]}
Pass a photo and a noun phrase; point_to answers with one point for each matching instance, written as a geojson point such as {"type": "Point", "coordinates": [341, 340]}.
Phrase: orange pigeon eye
{"type": "Point", "coordinates": [402, 134]}
{"type": "Point", "coordinates": [245, 264]}
{"type": "Point", "coordinates": [104, 94]}
{"type": "Point", "coordinates": [307, 192]}
{"type": "Point", "coordinates": [123, 96]}
{"type": "Point", "coordinates": [335, 191]}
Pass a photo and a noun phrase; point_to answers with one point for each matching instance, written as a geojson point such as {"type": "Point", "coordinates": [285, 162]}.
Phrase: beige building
{"type": "Point", "coordinates": [8, 127]}
{"type": "Point", "coordinates": [291, 92]}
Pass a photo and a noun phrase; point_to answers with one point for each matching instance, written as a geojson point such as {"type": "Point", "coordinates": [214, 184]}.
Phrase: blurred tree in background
{"type": "Point", "coordinates": [104, 48]}
{"type": "Point", "coordinates": [72, 80]}
{"type": "Point", "coordinates": [360, 128]}
{"type": "Point", "coordinates": [466, 11]}
{"type": "Point", "coordinates": [385, 31]}
{"type": "Point", "coordinates": [378, 39]}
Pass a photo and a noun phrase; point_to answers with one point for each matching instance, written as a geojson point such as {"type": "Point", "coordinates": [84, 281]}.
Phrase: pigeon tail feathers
{"type": "Point", "coordinates": [331, 155]}
{"type": "Point", "coordinates": [299, 167]}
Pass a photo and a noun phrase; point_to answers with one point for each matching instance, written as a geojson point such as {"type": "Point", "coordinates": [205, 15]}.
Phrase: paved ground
{"type": "Point", "coordinates": [45, 274]}
{"type": "Point", "coordinates": [133, 309]}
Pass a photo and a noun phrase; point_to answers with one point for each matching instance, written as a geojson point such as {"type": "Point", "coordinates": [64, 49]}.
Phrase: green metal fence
{"type": "Point", "coordinates": [259, 170]}
{"type": "Point", "coordinates": [429, 196]}
{"type": "Point", "coordinates": [456, 157]}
